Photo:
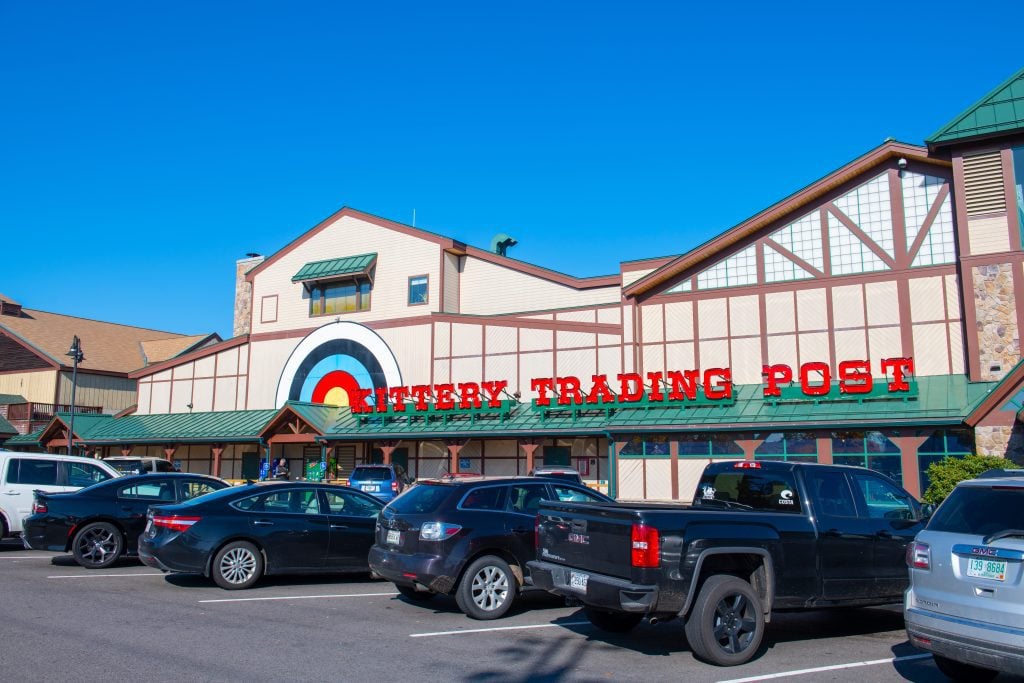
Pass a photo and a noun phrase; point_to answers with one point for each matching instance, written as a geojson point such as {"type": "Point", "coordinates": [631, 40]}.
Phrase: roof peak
{"type": "Point", "coordinates": [1001, 110]}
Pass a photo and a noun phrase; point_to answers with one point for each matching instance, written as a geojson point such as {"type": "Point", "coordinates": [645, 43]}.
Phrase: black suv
{"type": "Point", "coordinates": [469, 537]}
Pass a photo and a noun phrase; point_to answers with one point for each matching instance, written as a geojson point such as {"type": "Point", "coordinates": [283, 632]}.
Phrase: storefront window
{"type": "Point", "coordinates": [657, 444]}
{"type": "Point", "coordinates": [942, 444]}
{"type": "Point", "coordinates": [873, 450]}
{"type": "Point", "coordinates": [724, 444]}
{"type": "Point", "coordinates": [788, 446]}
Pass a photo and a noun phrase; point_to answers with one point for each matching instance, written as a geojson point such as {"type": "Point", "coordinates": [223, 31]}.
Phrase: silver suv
{"type": "Point", "coordinates": [965, 603]}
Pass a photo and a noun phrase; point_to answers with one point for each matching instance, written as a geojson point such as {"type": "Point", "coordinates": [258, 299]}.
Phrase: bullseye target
{"type": "Point", "coordinates": [333, 361]}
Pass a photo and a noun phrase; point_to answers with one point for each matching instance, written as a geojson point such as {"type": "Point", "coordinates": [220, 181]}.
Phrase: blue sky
{"type": "Point", "coordinates": [144, 147]}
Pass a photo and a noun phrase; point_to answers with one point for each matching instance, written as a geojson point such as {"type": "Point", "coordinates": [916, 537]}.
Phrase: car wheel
{"type": "Point", "coordinates": [487, 588]}
{"type": "Point", "coordinates": [726, 624]}
{"type": "Point", "coordinates": [98, 545]}
{"type": "Point", "coordinates": [237, 565]}
{"type": "Point", "coordinates": [613, 622]}
{"type": "Point", "coordinates": [958, 671]}
{"type": "Point", "coordinates": [410, 593]}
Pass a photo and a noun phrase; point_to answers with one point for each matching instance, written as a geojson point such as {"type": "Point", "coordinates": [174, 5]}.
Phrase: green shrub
{"type": "Point", "coordinates": [950, 471]}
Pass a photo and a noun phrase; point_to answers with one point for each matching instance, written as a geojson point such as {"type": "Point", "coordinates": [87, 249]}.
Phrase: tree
{"type": "Point", "coordinates": [950, 471]}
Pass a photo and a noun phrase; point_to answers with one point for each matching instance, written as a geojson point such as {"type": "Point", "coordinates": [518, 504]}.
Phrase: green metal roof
{"type": "Point", "coordinates": [25, 439]}
{"type": "Point", "coordinates": [348, 265]}
{"type": "Point", "coordinates": [1000, 111]}
{"type": "Point", "coordinates": [943, 399]}
{"type": "Point", "coordinates": [6, 427]}
{"type": "Point", "coordinates": [6, 399]}
{"type": "Point", "coordinates": [320, 416]}
{"type": "Point", "coordinates": [234, 425]}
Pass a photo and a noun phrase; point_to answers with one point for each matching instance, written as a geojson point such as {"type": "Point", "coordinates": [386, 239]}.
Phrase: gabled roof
{"type": "Point", "coordinates": [196, 352]}
{"type": "Point", "coordinates": [159, 350]}
{"type": "Point", "coordinates": [1000, 111]}
{"type": "Point", "coordinates": [6, 427]}
{"type": "Point", "coordinates": [319, 416]}
{"type": "Point", "coordinates": [797, 201]}
{"type": "Point", "coordinates": [7, 399]}
{"type": "Point", "coordinates": [207, 427]}
{"type": "Point", "coordinates": [335, 267]}
{"type": "Point", "coordinates": [108, 347]}
{"type": "Point", "coordinates": [1009, 390]}
{"type": "Point", "coordinates": [26, 439]}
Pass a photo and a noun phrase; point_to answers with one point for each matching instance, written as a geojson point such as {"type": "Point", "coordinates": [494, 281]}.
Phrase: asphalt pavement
{"type": "Point", "coordinates": [60, 622]}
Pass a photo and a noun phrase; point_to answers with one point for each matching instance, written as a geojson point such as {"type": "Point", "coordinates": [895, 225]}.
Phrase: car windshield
{"type": "Point", "coordinates": [371, 474]}
{"type": "Point", "coordinates": [422, 498]}
{"type": "Point", "coordinates": [980, 510]}
{"type": "Point", "coordinates": [125, 466]}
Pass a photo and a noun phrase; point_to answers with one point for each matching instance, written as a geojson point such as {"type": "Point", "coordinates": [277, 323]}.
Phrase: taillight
{"type": "Point", "coordinates": [645, 546]}
{"type": "Point", "coordinates": [747, 465]}
{"type": "Point", "coordinates": [175, 522]}
{"type": "Point", "coordinates": [38, 507]}
{"type": "Point", "coordinates": [919, 555]}
{"type": "Point", "coordinates": [394, 486]}
{"type": "Point", "coordinates": [438, 531]}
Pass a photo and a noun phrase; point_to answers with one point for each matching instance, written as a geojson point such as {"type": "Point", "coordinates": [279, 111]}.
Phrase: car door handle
{"type": "Point", "coordinates": [884, 534]}
{"type": "Point", "coordinates": [262, 522]}
{"type": "Point", "coordinates": [521, 529]}
{"type": "Point", "coordinates": [12, 493]}
{"type": "Point", "coordinates": [339, 526]}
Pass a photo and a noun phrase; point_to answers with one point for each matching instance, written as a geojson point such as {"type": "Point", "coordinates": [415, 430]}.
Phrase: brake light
{"type": "Point", "coordinates": [38, 507]}
{"type": "Point", "coordinates": [747, 465]}
{"type": "Point", "coordinates": [175, 522]}
{"type": "Point", "coordinates": [438, 531]}
{"type": "Point", "coordinates": [919, 555]}
{"type": "Point", "coordinates": [645, 546]}
{"type": "Point", "coordinates": [394, 486]}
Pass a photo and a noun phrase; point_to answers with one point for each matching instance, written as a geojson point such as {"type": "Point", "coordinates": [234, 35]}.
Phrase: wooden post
{"type": "Point", "coordinates": [216, 450]}
{"type": "Point", "coordinates": [169, 452]}
{"type": "Point", "coordinates": [126, 450]}
{"type": "Point", "coordinates": [453, 455]}
{"type": "Point", "coordinates": [529, 448]}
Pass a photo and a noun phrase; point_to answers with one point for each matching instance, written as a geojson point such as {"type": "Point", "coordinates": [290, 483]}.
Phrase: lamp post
{"type": "Point", "coordinates": [76, 355]}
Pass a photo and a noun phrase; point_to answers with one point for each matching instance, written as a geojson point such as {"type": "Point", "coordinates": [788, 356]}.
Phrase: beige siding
{"type": "Point", "coordinates": [145, 391]}
{"type": "Point", "coordinates": [744, 316]}
{"type": "Point", "coordinates": [35, 387]}
{"type": "Point", "coordinates": [927, 302]}
{"type": "Point", "coordinates": [883, 342]}
{"type": "Point", "coordinates": [654, 357]}
{"type": "Point", "coordinates": [851, 345]}
{"type": "Point", "coordinates": [501, 339]}
{"type": "Point", "coordinates": [953, 297]}
{"type": "Point", "coordinates": [631, 479]}
{"type": "Point", "coordinates": [712, 320]}
{"type": "Point", "coordinates": [574, 340]}
{"type": "Point", "coordinates": [631, 276]}
{"type": "Point", "coordinates": [609, 361]}
{"type": "Point", "coordinates": [489, 289]}
{"type": "Point", "coordinates": [536, 340]}
{"type": "Point", "coordinates": [780, 312]}
{"type": "Point", "coordinates": [956, 348]}
{"type": "Point", "coordinates": [651, 324]}
{"type": "Point", "coordinates": [451, 283]}
{"type": "Point", "coordinates": [411, 347]}
{"type": "Point", "coordinates": [679, 356]}
{"type": "Point", "coordinates": [581, 363]}
{"type": "Point", "coordinates": [930, 354]}
{"type": "Point", "coordinates": [442, 340]}
{"type": "Point", "coordinates": [690, 471]}
{"type": "Point", "coordinates": [160, 401]}
{"type": "Point", "coordinates": [113, 394]}
{"type": "Point", "coordinates": [269, 356]}
{"type": "Point", "coordinates": [679, 321]}
{"type": "Point", "coordinates": [202, 397]}
{"type": "Point", "coordinates": [814, 347]}
{"type": "Point", "coordinates": [746, 360]}
{"type": "Point", "coordinates": [497, 368]}
{"type": "Point", "coordinates": [988, 235]}
{"type": "Point", "coordinates": [883, 303]}
{"type": "Point", "coordinates": [848, 307]}
{"type": "Point", "coordinates": [609, 316]}
{"type": "Point", "coordinates": [811, 310]}
{"type": "Point", "coordinates": [781, 349]}
{"type": "Point", "coordinates": [399, 256]}
{"type": "Point", "coordinates": [226, 397]}
{"type": "Point", "coordinates": [467, 369]}
{"type": "Point", "coordinates": [587, 316]}
{"type": "Point", "coordinates": [467, 340]}
{"type": "Point", "coordinates": [714, 354]}
{"type": "Point", "coordinates": [534, 365]}
{"type": "Point", "coordinates": [659, 480]}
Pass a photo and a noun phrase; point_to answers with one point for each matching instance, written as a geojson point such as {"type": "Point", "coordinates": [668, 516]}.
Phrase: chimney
{"type": "Point", "coordinates": [243, 294]}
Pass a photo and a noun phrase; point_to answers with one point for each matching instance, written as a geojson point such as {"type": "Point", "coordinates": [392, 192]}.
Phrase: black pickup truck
{"type": "Point", "coordinates": [759, 537]}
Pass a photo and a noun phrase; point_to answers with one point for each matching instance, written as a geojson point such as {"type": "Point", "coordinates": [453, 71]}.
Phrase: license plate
{"type": "Point", "coordinates": [578, 580]}
{"type": "Point", "coordinates": [986, 569]}
{"type": "Point", "coordinates": [394, 537]}
{"type": "Point", "coordinates": [370, 487]}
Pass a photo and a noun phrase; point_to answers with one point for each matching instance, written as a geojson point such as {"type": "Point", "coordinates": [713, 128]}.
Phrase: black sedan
{"type": "Point", "coordinates": [103, 522]}
{"type": "Point", "coordinates": [283, 527]}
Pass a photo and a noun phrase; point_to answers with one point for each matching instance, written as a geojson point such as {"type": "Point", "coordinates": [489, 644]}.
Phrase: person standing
{"type": "Point", "coordinates": [281, 469]}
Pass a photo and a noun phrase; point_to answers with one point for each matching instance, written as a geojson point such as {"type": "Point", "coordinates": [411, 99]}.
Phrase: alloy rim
{"type": "Point", "coordinates": [96, 544]}
{"type": "Point", "coordinates": [734, 624]}
{"type": "Point", "coordinates": [490, 588]}
{"type": "Point", "coordinates": [237, 565]}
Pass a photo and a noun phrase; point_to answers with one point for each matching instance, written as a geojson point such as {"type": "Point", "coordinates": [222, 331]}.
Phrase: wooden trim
{"type": "Point", "coordinates": [1010, 194]}
{"type": "Point", "coordinates": [793, 257]}
{"type": "Point", "coordinates": [645, 264]}
{"type": "Point", "coordinates": [899, 220]}
{"type": "Point", "coordinates": [263, 305]}
{"type": "Point", "coordinates": [544, 273]}
{"type": "Point", "coordinates": [906, 318]}
{"type": "Point", "coordinates": [862, 236]}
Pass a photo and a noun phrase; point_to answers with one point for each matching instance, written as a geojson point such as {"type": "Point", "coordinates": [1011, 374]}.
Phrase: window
{"type": "Point", "coordinates": [979, 510]}
{"type": "Point", "coordinates": [571, 495]}
{"type": "Point", "coordinates": [292, 500]}
{"type": "Point", "coordinates": [872, 450]}
{"type": "Point", "coordinates": [194, 489]}
{"type": "Point", "coordinates": [765, 491]}
{"type": "Point", "coordinates": [647, 445]}
{"type": "Point", "coordinates": [340, 297]}
{"type": "Point", "coordinates": [26, 471]}
{"type": "Point", "coordinates": [418, 292]}
{"type": "Point", "coordinates": [882, 499]}
{"type": "Point", "coordinates": [788, 446]}
{"type": "Point", "coordinates": [84, 474]}
{"type": "Point", "coordinates": [351, 504]}
{"type": "Point", "coordinates": [158, 490]}
{"type": "Point", "coordinates": [831, 493]}
{"type": "Point", "coordinates": [525, 499]}
{"type": "Point", "coordinates": [484, 498]}
{"type": "Point", "coordinates": [1018, 184]}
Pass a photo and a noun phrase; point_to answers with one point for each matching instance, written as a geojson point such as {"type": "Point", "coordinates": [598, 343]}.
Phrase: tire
{"type": "Point", "coordinates": [958, 671]}
{"type": "Point", "coordinates": [726, 624]}
{"type": "Point", "coordinates": [613, 622]}
{"type": "Point", "coordinates": [237, 566]}
{"type": "Point", "coordinates": [98, 545]}
{"type": "Point", "coordinates": [487, 589]}
{"type": "Point", "coordinates": [413, 595]}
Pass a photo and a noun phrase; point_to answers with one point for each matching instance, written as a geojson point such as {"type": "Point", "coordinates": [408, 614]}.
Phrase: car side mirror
{"type": "Point", "coordinates": [927, 510]}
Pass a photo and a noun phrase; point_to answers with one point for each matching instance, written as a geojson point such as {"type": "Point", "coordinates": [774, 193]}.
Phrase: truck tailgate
{"type": "Point", "coordinates": [595, 537]}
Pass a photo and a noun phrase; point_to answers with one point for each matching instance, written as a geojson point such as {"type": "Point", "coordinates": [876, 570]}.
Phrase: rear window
{"type": "Point", "coordinates": [748, 489]}
{"type": "Point", "coordinates": [126, 466]}
{"type": "Point", "coordinates": [371, 474]}
{"type": "Point", "coordinates": [980, 510]}
{"type": "Point", "coordinates": [420, 499]}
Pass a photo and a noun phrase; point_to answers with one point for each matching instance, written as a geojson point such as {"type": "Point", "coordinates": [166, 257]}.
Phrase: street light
{"type": "Point", "coordinates": [76, 355]}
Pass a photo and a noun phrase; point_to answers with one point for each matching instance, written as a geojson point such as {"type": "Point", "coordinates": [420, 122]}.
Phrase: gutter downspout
{"type": "Point", "coordinates": [613, 481]}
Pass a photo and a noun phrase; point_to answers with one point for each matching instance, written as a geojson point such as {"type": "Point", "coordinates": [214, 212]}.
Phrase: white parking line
{"type": "Point", "coordinates": [303, 597]}
{"type": "Point", "coordinates": [97, 576]}
{"type": "Point", "coordinates": [27, 557]}
{"type": "Point", "coordinates": [801, 672]}
{"type": "Point", "coordinates": [497, 628]}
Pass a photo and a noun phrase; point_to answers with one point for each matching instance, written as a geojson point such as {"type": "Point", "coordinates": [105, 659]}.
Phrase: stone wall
{"type": "Point", "coordinates": [243, 295]}
{"type": "Point", "coordinates": [1007, 442]}
{"type": "Point", "coordinates": [998, 336]}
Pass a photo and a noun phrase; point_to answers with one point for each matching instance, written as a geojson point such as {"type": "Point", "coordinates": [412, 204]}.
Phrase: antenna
{"type": "Point", "coordinates": [414, 218]}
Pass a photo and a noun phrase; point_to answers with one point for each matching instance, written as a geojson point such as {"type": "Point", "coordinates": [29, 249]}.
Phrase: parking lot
{"type": "Point", "coordinates": [63, 622]}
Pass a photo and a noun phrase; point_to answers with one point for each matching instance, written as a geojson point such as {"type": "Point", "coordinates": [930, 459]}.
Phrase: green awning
{"type": "Point", "coordinates": [25, 439]}
{"type": "Point", "coordinates": [207, 427]}
{"type": "Point", "coordinates": [336, 267]}
{"type": "Point", "coordinates": [1000, 111]}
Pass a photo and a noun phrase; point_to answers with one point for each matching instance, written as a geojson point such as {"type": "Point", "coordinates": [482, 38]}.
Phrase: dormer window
{"type": "Point", "coordinates": [341, 285]}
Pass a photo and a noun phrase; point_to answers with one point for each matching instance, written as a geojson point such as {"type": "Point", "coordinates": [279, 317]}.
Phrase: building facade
{"type": "Point", "coordinates": [871, 319]}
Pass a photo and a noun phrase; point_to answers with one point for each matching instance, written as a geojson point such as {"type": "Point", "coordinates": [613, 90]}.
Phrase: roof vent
{"type": "Point", "coordinates": [501, 242]}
